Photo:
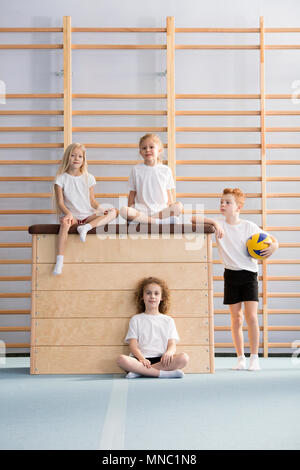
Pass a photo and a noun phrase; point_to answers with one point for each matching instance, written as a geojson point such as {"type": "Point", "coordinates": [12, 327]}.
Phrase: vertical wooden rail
{"type": "Point", "coordinates": [171, 94]}
{"type": "Point", "coordinates": [263, 183]}
{"type": "Point", "coordinates": [67, 81]}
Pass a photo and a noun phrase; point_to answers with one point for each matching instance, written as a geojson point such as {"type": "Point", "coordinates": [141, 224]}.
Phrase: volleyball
{"type": "Point", "coordinates": [257, 243]}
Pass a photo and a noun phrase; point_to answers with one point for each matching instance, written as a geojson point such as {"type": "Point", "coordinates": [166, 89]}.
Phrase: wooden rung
{"type": "Point", "coordinates": [119, 129]}
{"type": "Point", "coordinates": [283, 311]}
{"type": "Point", "coordinates": [31, 129]}
{"type": "Point", "coordinates": [284, 328]}
{"type": "Point", "coordinates": [15, 261]}
{"type": "Point", "coordinates": [15, 245]}
{"type": "Point", "coordinates": [32, 146]}
{"type": "Point", "coordinates": [119, 46]}
{"type": "Point", "coordinates": [283, 294]}
{"type": "Point", "coordinates": [289, 245]}
{"type": "Point", "coordinates": [217, 129]}
{"type": "Point", "coordinates": [217, 30]}
{"type": "Point", "coordinates": [228, 328]}
{"type": "Point", "coordinates": [283, 162]}
{"type": "Point", "coordinates": [282, 146]}
{"type": "Point", "coordinates": [15, 312]}
{"type": "Point", "coordinates": [15, 278]}
{"type": "Point", "coordinates": [14, 328]}
{"type": "Point", "coordinates": [217, 46]}
{"type": "Point", "coordinates": [8, 295]}
{"type": "Point", "coordinates": [31, 30]}
{"type": "Point", "coordinates": [283, 278]}
{"type": "Point", "coordinates": [109, 96]}
{"type": "Point", "coordinates": [282, 129]}
{"type": "Point", "coordinates": [33, 95]}
{"type": "Point", "coordinates": [212, 195]}
{"type": "Point", "coordinates": [218, 178]}
{"type": "Point", "coordinates": [282, 46]}
{"type": "Point", "coordinates": [283, 261]}
{"type": "Point", "coordinates": [25, 195]}
{"type": "Point", "coordinates": [17, 345]}
{"type": "Point", "coordinates": [218, 146]}
{"type": "Point", "coordinates": [218, 113]}
{"type": "Point", "coordinates": [119, 30]}
{"type": "Point", "coordinates": [283, 229]}
{"type": "Point", "coordinates": [119, 112]}
{"type": "Point", "coordinates": [280, 195]}
{"type": "Point", "coordinates": [218, 162]}
{"type": "Point", "coordinates": [31, 46]}
{"type": "Point", "coordinates": [283, 178]}
{"type": "Point", "coordinates": [26, 178]}
{"type": "Point", "coordinates": [212, 96]}
{"type": "Point", "coordinates": [230, 345]}
{"type": "Point", "coordinates": [281, 345]}
{"type": "Point", "coordinates": [13, 229]}
{"type": "Point", "coordinates": [30, 112]}
{"type": "Point", "coordinates": [282, 113]}
{"type": "Point", "coordinates": [57, 162]}
{"type": "Point", "coordinates": [283, 211]}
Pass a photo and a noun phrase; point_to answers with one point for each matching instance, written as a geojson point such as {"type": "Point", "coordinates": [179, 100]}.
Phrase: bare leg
{"type": "Point", "coordinates": [63, 235]}
{"type": "Point", "coordinates": [130, 364]}
{"type": "Point", "coordinates": [174, 209]}
{"type": "Point", "coordinates": [253, 326]}
{"type": "Point", "coordinates": [237, 319]}
{"type": "Point", "coordinates": [129, 213]}
{"type": "Point", "coordinates": [96, 221]}
{"type": "Point", "coordinates": [179, 361]}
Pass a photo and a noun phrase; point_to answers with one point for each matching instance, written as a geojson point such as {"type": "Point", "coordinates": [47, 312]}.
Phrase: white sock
{"type": "Point", "coordinates": [241, 363]}
{"type": "Point", "coordinates": [171, 374]}
{"type": "Point", "coordinates": [59, 265]}
{"type": "Point", "coordinates": [83, 230]}
{"type": "Point", "coordinates": [254, 362]}
{"type": "Point", "coordinates": [132, 375]}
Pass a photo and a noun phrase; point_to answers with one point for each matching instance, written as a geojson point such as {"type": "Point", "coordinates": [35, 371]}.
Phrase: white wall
{"type": "Point", "coordinates": [32, 71]}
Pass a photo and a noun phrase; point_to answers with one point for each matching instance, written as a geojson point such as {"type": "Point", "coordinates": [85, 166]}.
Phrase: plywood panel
{"type": "Point", "coordinates": [121, 276]}
{"type": "Point", "coordinates": [108, 331]}
{"type": "Point", "coordinates": [102, 359]}
{"type": "Point", "coordinates": [119, 250]}
{"type": "Point", "coordinates": [58, 304]}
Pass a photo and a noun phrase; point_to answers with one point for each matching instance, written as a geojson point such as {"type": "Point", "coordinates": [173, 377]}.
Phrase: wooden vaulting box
{"type": "Point", "coordinates": [80, 318]}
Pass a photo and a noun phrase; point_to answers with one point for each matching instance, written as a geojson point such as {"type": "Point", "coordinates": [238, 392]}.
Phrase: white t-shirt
{"type": "Point", "coordinates": [76, 193]}
{"type": "Point", "coordinates": [151, 184]}
{"type": "Point", "coordinates": [232, 247]}
{"type": "Point", "coordinates": [152, 333]}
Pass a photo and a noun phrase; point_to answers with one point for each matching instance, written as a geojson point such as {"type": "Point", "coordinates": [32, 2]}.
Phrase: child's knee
{"type": "Point", "coordinates": [121, 360]}
{"type": "Point", "coordinates": [124, 212]}
{"type": "Point", "coordinates": [184, 359]}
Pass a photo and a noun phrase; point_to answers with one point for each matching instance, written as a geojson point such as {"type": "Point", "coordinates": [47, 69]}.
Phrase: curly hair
{"type": "Point", "coordinates": [164, 305]}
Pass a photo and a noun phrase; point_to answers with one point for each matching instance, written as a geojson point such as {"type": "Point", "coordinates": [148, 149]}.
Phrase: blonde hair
{"type": "Point", "coordinates": [66, 159]}
{"type": "Point", "coordinates": [237, 193]}
{"type": "Point", "coordinates": [164, 305]}
{"type": "Point", "coordinates": [64, 165]}
{"type": "Point", "coordinates": [156, 139]}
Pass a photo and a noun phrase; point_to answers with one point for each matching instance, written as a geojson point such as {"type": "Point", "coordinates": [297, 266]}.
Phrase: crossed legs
{"type": "Point", "coordinates": [131, 364]}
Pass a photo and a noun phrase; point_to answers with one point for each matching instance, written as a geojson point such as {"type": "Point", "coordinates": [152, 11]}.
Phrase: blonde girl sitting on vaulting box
{"type": "Point", "coordinates": [75, 200]}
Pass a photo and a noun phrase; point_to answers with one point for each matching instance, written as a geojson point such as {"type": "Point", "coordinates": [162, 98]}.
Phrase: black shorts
{"type": "Point", "coordinates": [240, 286]}
{"type": "Point", "coordinates": [154, 360]}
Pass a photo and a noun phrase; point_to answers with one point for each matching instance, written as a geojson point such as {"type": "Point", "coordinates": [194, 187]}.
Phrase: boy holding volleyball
{"type": "Point", "coordinates": [240, 276]}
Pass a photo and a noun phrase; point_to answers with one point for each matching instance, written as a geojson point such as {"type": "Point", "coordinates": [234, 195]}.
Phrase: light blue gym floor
{"type": "Point", "coordinates": [225, 410]}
